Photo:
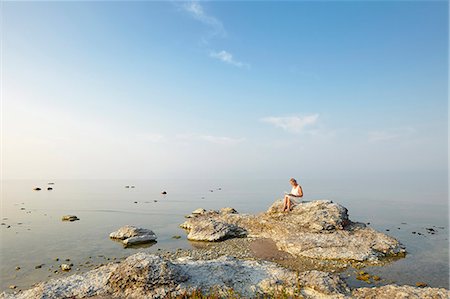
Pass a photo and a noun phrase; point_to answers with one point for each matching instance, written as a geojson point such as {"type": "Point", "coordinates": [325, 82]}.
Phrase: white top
{"type": "Point", "coordinates": [295, 190]}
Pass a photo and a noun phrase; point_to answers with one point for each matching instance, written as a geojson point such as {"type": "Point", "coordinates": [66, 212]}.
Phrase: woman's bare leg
{"type": "Point", "coordinates": [288, 204]}
{"type": "Point", "coordinates": [285, 203]}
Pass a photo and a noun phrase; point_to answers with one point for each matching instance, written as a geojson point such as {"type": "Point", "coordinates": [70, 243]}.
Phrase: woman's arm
{"type": "Point", "coordinates": [300, 191]}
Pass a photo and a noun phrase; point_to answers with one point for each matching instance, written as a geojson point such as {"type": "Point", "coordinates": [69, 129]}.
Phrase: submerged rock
{"type": "Point", "coordinates": [37, 189]}
{"type": "Point", "coordinates": [131, 235]}
{"type": "Point", "coordinates": [319, 229]}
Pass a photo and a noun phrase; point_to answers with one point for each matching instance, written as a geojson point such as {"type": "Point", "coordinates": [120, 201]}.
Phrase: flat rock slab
{"type": "Point", "coordinates": [131, 235]}
{"type": "Point", "coordinates": [319, 229]}
{"type": "Point", "coordinates": [395, 291]}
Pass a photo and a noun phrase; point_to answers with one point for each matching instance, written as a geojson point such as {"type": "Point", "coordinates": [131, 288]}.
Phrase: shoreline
{"type": "Point", "coordinates": [250, 251]}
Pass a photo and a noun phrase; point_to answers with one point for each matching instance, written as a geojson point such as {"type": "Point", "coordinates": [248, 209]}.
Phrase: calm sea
{"type": "Point", "coordinates": [37, 236]}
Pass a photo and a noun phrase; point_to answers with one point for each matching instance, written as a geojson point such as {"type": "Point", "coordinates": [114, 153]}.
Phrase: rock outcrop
{"type": "Point", "coordinates": [131, 235]}
{"type": "Point", "coordinates": [319, 229]}
{"type": "Point", "coordinates": [145, 275]}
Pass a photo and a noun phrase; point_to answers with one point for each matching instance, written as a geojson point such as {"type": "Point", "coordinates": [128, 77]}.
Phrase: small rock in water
{"type": "Point", "coordinates": [8, 226]}
{"type": "Point", "coordinates": [37, 189]}
{"type": "Point", "coordinates": [131, 235]}
{"type": "Point", "coordinates": [69, 218]}
{"type": "Point", "coordinates": [387, 230]}
{"type": "Point", "coordinates": [155, 200]}
{"type": "Point", "coordinates": [12, 287]}
{"type": "Point", "coordinates": [176, 237]}
{"type": "Point", "coordinates": [132, 186]}
{"type": "Point", "coordinates": [57, 259]}
{"type": "Point", "coordinates": [164, 192]}
{"type": "Point", "coordinates": [211, 190]}
{"type": "Point", "coordinates": [3, 223]}
{"type": "Point", "coordinates": [414, 233]}
{"type": "Point", "coordinates": [38, 266]}
{"type": "Point", "coordinates": [375, 277]}
{"type": "Point", "coordinates": [49, 188]}
{"type": "Point", "coordinates": [404, 223]}
{"type": "Point", "coordinates": [51, 183]}
{"type": "Point", "coordinates": [127, 186]}
{"type": "Point", "coordinates": [22, 209]}
{"type": "Point", "coordinates": [135, 202]}
{"type": "Point", "coordinates": [67, 260]}
{"type": "Point", "coordinates": [17, 268]}
{"type": "Point", "coordinates": [65, 267]}
{"type": "Point", "coordinates": [421, 284]}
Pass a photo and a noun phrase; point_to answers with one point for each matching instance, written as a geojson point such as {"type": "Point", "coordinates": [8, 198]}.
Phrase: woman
{"type": "Point", "coordinates": [296, 192]}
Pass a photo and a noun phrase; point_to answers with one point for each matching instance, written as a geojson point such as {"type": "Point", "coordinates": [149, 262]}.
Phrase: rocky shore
{"type": "Point", "coordinates": [270, 255]}
{"type": "Point", "coordinates": [144, 275]}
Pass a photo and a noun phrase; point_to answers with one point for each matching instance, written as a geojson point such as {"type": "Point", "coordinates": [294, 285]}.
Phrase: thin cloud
{"type": "Point", "coordinates": [222, 140]}
{"type": "Point", "coordinates": [227, 57]}
{"type": "Point", "coordinates": [293, 124]}
{"type": "Point", "coordinates": [153, 137]}
{"type": "Point", "coordinates": [198, 12]}
{"type": "Point", "coordinates": [390, 134]}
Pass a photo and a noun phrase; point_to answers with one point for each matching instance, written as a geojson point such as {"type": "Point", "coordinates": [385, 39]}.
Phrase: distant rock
{"type": "Point", "coordinates": [164, 192]}
{"type": "Point", "coordinates": [49, 188]}
{"type": "Point", "coordinates": [131, 235]}
{"type": "Point", "coordinates": [37, 189]}
{"type": "Point", "coordinates": [319, 229]}
{"type": "Point", "coordinates": [69, 218]}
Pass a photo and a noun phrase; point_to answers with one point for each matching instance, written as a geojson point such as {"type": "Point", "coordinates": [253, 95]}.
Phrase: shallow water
{"type": "Point", "coordinates": [104, 206]}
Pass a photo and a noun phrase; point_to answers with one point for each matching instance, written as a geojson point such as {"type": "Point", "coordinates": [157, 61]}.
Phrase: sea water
{"type": "Point", "coordinates": [37, 236]}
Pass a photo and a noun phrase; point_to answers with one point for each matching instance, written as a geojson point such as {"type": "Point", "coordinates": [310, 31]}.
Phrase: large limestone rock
{"type": "Point", "coordinates": [144, 275]}
{"type": "Point", "coordinates": [318, 229]}
{"type": "Point", "coordinates": [131, 235]}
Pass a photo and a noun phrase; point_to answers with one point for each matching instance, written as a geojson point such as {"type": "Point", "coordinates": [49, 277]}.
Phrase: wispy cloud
{"type": "Point", "coordinates": [223, 140]}
{"type": "Point", "coordinates": [293, 124]}
{"type": "Point", "coordinates": [390, 134]}
{"type": "Point", "coordinates": [228, 58]}
{"type": "Point", "coordinates": [198, 12]}
{"type": "Point", "coordinates": [152, 137]}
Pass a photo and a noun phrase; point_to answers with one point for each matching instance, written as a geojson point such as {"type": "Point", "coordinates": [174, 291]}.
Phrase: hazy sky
{"type": "Point", "coordinates": [223, 89]}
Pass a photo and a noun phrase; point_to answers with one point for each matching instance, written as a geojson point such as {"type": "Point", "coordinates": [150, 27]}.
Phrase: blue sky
{"type": "Point", "coordinates": [223, 89]}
